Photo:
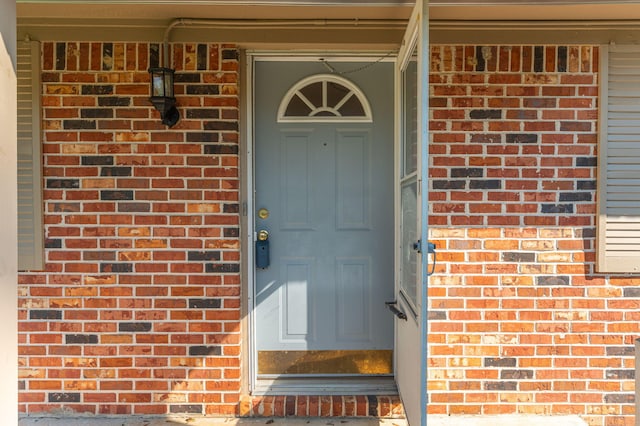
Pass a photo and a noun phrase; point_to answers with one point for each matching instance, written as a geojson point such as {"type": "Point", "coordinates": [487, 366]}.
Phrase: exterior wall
{"type": "Point", "coordinates": [520, 322]}
{"type": "Point", "coordinates": [139, 309]}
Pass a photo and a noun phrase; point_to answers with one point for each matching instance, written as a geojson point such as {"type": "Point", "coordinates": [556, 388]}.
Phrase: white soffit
{"type": "Point", "coordinates": [469, 10]}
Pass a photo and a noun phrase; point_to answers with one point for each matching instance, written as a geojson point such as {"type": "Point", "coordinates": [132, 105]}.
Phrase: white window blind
{"type": "Point", "coordinates": [30, 225]}
{"type": "Point", "coordinates": [619, 161]}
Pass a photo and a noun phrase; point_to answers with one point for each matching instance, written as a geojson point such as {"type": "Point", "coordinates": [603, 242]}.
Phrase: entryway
{"type": "Point", "coordinates": [323, 213]}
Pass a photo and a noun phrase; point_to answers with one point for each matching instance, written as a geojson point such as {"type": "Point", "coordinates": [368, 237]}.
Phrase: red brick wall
{"type": "Point", "coordinates": [139, 309]}
{"type": "Point", "coordinates": [142, 281]}
{"type": "Point", "coordinates": [520, 321]}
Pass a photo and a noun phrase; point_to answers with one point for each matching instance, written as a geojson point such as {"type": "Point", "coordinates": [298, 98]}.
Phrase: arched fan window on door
{"type": "Point", "coordinates": [324, 98]}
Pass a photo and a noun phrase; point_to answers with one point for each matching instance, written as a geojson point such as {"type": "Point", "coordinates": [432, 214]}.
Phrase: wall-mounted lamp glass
{"type": "Point", "coordinates": [162, 95]}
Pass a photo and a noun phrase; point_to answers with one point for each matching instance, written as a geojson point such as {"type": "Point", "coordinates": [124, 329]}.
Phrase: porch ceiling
{"type": "Point", "coordinates": [468, 10]}
{"type": "Point", "coordinates": [340, 24]}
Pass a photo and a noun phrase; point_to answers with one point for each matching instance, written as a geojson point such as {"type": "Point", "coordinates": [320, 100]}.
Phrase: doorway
{"type": "Point", "coordinates": [323, 212]}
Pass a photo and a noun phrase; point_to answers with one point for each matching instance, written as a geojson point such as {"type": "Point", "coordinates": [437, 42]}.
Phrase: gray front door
{"type": "Point", "coordinates": [324, 194]}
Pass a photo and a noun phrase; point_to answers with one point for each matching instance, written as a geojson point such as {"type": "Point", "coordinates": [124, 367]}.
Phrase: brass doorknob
{"type": "Point", "coordinates": [263, 235]}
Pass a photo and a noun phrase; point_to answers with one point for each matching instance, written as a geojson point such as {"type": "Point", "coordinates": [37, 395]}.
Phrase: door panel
{"type": "Point", "coordinates": [412, 87]}
{"type": "Point", "coordinates": [327, 187]}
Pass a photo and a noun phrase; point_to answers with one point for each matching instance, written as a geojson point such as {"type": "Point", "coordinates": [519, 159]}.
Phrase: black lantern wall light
{"type": "Point", "coordinates": [162, 96]}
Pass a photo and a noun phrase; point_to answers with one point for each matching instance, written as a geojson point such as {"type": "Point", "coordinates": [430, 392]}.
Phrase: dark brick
{"type": "Point", "coordinates": [186, 409]}
{"type": "Point", "coordinates": [586, 233]}
{"type": "Point", "coordinates": [449, 184]}
{"type": "Point", "coordinates": [61, 56]}
{"type": "Point", "coordinates": [557, 208]}
{"type": "Point", "coordinates": [204, 350]}
{"type": "Point", "coordinates": [631, 292]}
{"type": "Point", "coordinates": [222, 267]}
{"type": "Point", "coordinates": [78, 124]}
{"type": "Point", "coordinates": [505, 386]}
{"type": "Point", "coordinates": [484, 114]}
{"type": "Point", "coordinates": [437, 315]}
{"type": "Point", "coordinates": [202, 55]}
{"type": "Point", "coordinates": [116, 267]}
{"type": "Point", "coordinates": [53, 243]}
{"type": "Point", "coordinates": [97, 89]}
{"type": "Point", "coordinates": [204, 303]}
{"type": "Point", "coordinates": [114, 101]}
{"type": "Point", "coordinates": [109, 194]}
{"type": "Point", "coordinates": [203, 89]}
{"type": "Point", "coordinates": [134, 327]}
{"type": "Point", "coordinates": [187, 77]}
{"type": "Point", "coordinates": [620, 374]}
{"type": "Point", "coordinates": [231, 208]}
{"type": "Point", "coordinates": [221, 149]}
{"type": "Point", "coordinates": [81, 339]}
{"type": "Point", "coordinates": [480, 64]}
{"type": "Point", "coordinates": [619, 351]}
{"type": "Point", "coordinates": [45, 314]}
{"type": "Point", "coordinates": [64, 397]}
{"type": "Point", "coordinates": [115, 171]}
{"type": "Point", "coordinates": [228, 54]}
{"type": "Point", "coordinates": [499, 362]}
{"type": "Point", "coordinates": [134, 207]}
{"type": "Point", "coordinates": [373, 405]}
{"type": "Point", "coordinates": [487, 138]}
{"type": "Point", "coordinates": [202, 137]}
{"type": "Point", "coordinates": [517, 256]}
{"type": "Point", "coordinates": [575, 196]}
{"type": "Point", "coordinates": [586, 185]}
{"type": "Point", "coordinates": [522, 138]}
{"type": "Point", "coordinates": [562, 58]}
{"type": "Point", "coordinates": [231, 232]}
{"type": "Point", "coordinates": [551, 280]}
{"type": "Point", "coordinates": [467, 172]}
{"type": "Point", "coordinates": [96, 113]}
{"type": "Point", "coordinates": [221, 125]}
{"type": "Point", "coordinates": [485, 184]}
{"type": "Point", "coordinates": [63, 183]}
{"type": "Point", "coordinates": [154, 55]}
{"type": "Point", "coordinates": [619, 398]}
{"type": "Point", "coordinates": [195, 256]}
{"type": "Point", "coordinates": [586, 162]}
{"type": "Point", "coordinates": [203, 113]}
{"type": "Point", "coordinates": [96, 160]}
{"type": "Point", "coordinates": [538, 59]}
{"type": "Point", "coordinates": [516, 374]}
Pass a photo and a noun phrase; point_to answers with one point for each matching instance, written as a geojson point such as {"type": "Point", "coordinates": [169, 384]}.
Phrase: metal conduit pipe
{"type": "Point", "coordinates": [274, 24]}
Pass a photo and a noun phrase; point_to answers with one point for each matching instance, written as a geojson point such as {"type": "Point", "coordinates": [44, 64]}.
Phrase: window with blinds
{"type": "Point", "coordinates": [30, 226]}
{"type": "Point", "coordinates": [619, 161]}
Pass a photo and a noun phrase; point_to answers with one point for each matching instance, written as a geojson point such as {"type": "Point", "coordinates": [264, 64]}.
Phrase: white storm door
{"type": "Point", "coordinates": [412, 111]}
